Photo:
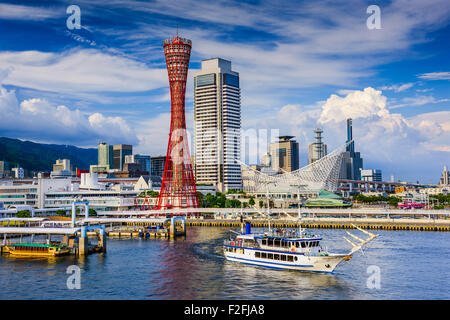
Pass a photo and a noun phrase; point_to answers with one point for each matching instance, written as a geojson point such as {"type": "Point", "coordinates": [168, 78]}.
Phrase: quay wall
{"type": "Point", "coordinates": [334, 223]}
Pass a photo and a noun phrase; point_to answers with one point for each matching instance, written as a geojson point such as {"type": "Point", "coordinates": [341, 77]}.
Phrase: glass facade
{"type": "Point", "coordinates": [205, 80]}
{"type": "Point", "coordinates": [231, 80]}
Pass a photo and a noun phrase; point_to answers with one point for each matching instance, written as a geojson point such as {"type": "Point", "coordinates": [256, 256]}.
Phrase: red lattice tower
{"type": "Point", "coordinates": [178, 185]}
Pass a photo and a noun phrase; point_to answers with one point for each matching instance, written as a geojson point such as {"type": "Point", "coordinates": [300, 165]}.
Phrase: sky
{"type": "Point", "coordinates": [302, 65]}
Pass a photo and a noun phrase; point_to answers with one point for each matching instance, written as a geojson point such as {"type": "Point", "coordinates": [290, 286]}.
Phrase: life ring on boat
{"type": "Point", "coordinates": [292, 249]}
{"type": "Point", "coordinates": [232, 243]}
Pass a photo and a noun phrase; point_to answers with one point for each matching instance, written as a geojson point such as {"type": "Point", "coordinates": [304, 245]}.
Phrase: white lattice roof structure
{"type": "Point", "coordinates": [321, 174]}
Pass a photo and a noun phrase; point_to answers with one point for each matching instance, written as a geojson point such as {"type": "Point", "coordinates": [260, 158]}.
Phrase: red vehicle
{"type": "Point", "coordinates": [409, 204]}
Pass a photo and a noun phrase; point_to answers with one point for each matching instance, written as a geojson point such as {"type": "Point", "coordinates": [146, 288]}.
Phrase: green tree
{"type": "Point", "coordinates": [251, 201]}
{"type": "Point", "coordinates": [61, 212]}
{"type": "Point", "coordinates": [92, 212]}
{"type": "Point", "coordinates": [23, 214]}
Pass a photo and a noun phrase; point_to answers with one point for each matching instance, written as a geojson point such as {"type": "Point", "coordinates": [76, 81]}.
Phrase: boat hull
{"type": "Point", "coordinates": [23, 253]}
{"type": "Point", "coordinates": [324, 264]}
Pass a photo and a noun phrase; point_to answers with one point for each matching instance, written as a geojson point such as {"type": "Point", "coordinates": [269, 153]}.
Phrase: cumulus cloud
{"type": "Point", "coordinates": [357, 104]}
{"type": "Point", "coordinates": [42, 120]}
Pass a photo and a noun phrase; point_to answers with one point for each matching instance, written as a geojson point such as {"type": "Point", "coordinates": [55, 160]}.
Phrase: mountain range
{"type": "Point", "coordinates": [34, 156]}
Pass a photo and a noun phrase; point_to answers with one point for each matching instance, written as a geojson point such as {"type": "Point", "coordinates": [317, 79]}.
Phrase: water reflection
{"type": "Point", "coordinates": [194, 268]}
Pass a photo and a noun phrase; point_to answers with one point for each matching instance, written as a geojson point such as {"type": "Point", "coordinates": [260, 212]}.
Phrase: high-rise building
{"type": "Point", "coordinates": [445, 178]}
{"type": "Point", "coordinates": [285, 154]}
{"type": "Point", "coordinates": [157, 165]}
{"type": "Point", "coordinates": [217, 125]}
{"type": "Point", "coordinates": [141, 160]}
{"type": "Point", "coordinates": [119, 153]}
{"type": "Point", "coordinates": [371, 175]}
{"type": "Point", "coordinates": [105, 154]}
{"type": "Point", "coordinates": [317, 149]}
{"type": "Point", "coordinates": [352, 163]}
{"type": "Point", "coordinates": [178, 188]}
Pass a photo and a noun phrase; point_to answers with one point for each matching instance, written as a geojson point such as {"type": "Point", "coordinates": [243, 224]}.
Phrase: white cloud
{"type": "Point", "coordinates": [39, 118]}
{"type": "Point", "coordinates": [357, 104]}
{"type": "Point", "coordinates": [80, 71]}
{"type": "Point", "coordinates": [418, 100]}
{"type": "Point", "coordinates": [398, 88]}
{"type": "Point", "coordinates": [435, 76]}
{"type": "Point", "coordinates": [20, 12]}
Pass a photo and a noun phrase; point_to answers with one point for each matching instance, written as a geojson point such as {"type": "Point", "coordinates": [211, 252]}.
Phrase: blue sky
{"type": "Point", "coordinates": [302, 64]}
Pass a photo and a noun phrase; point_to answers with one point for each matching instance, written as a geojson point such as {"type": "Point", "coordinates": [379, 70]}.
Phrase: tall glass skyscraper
{"type": "Point", "coordinates": [217, 125]}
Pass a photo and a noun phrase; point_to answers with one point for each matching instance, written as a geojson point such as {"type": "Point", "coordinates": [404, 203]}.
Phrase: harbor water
{"type": "Point", "coordinates": [405, 264]}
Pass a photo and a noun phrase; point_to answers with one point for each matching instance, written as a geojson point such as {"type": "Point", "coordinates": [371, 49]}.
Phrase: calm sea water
{"type": "Point", "coordinates": [413, 265]}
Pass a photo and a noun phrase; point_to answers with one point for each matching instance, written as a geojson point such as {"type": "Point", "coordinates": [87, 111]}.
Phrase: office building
{"type": "Point", "coordinates": [141, 160]}
{"type": "Point", "coordinates": [61, 169]}
{"type": "Point", "coordinates": [105, 155]}
{"type": "Point", "coordinates": [285, 154]}
{"type": "Point", "coordinates": [4, 169]}
{"type": "Point", "coordinates": [352, 162]}
{"type": "Point", "coordinates": [371, 175]}
{"type": "Point", "coordinates": [62, 164]}
{"type": "Point", "coordinates": [18, 173]}
{"type": "Point", "coordinates": [119, 153]}
{"type": "Point", "coordinates": [157, 165]}
{"type": "Point", "coordinates": [217, 124]}
{"type": "Point", "coordinates": [445, 178]}
{"type": "Point", "coordinates": [317, 149]}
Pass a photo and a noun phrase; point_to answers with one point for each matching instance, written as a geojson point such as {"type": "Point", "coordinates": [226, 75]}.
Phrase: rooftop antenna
{"type": "Point", "coordinates": [177, 30]}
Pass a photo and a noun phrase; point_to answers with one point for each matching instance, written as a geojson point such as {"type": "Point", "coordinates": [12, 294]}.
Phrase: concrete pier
{"type": "Point", "coordinates": [334, 223]}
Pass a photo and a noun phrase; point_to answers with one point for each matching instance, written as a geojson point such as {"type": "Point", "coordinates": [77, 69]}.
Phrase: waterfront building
{"type": "Point", "coordinates": [119, 153]}
{"type": "Point", "coordinates": [352, 162]}
{"type": "Point", "coordinates": [285, 154]}
{"type": "Point", "coordinates": [371, 175]}
{"type": "Point", "coordinates": [105, 155]}
{"type": "Point", "coordinates": [97, 168]}
{"type": "Point", "coordinates": [445, 178]}
{"type": "Point", "coordinates": [157, 165]}
{"type": "Point", "coordinates": [55, 193]}
{"type": "Point", "coordinates": [217, 125]}
{"type": "Point", "coordinates": [317, 149]}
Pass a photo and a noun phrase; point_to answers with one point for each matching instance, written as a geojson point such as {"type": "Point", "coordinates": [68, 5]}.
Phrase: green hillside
{"type": "Point", "coordinates": [41, 157]}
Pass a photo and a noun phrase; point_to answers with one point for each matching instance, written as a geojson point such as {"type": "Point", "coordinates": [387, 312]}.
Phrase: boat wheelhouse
{"type": "Point", "coordinates": [293, 250]}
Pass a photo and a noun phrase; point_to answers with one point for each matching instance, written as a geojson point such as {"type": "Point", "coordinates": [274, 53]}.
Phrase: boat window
{"type": "Point", "coordinates": [303, 244]}
{"type": "Point", "coordinates": [290, 258]}
{"type": "Point", "coordinates": [277, 242]}
{"type": "Point", "coordinates": [263, 255]}
{"type": "Point", "coordinates": [297, 244]}
{"type": "Point", "coordinates": [295, 258]}
{"type": "Point", "coordinates": [317, 243]}
{"type": "Point", "coordinates": [270, 242]}
{"type": "Point", "coordinates": [264, 242]}
{"type": "Point", "coordinates": [283, 257]}
{"type": "Point", "coordinates": [257, 254]}
{"type": "Point", "coordinates": [270, 255]}
{"type": "Point", "coordinates": [276, 256]}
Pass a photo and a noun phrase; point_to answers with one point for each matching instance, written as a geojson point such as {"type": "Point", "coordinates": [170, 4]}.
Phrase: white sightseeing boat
{"type": "Point", "coordinates": [292, 250]}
